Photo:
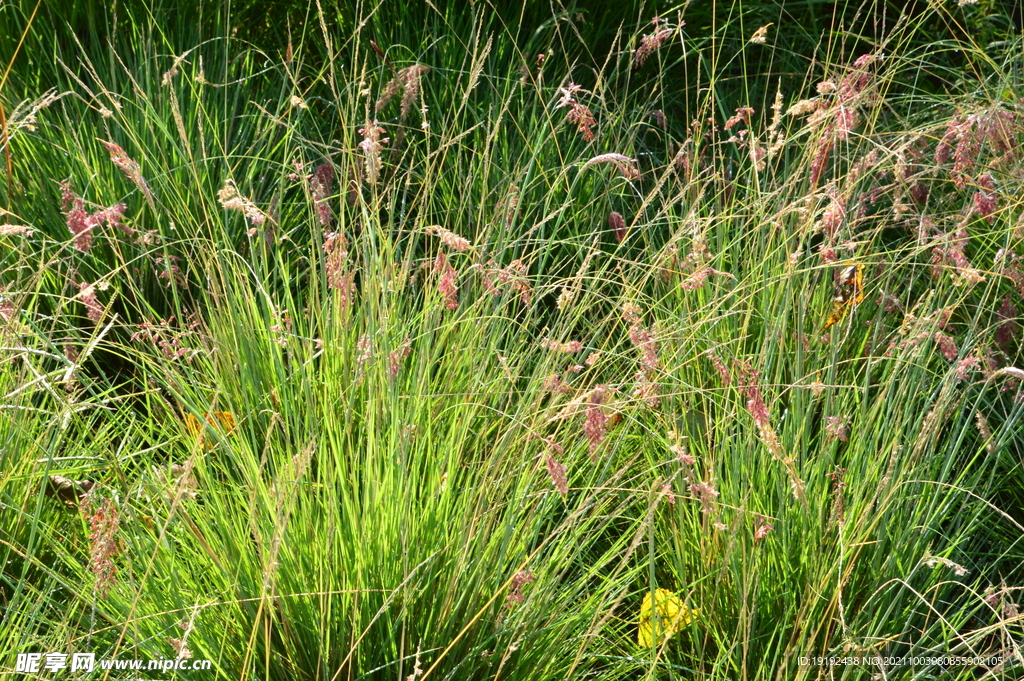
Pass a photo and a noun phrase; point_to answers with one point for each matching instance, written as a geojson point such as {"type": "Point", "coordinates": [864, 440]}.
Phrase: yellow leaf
{"type": "Point", "coordinates": [667, 616]}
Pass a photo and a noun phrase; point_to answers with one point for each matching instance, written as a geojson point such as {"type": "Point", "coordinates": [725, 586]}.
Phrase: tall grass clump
{"type": "Point", "coordinates": [401, 341]}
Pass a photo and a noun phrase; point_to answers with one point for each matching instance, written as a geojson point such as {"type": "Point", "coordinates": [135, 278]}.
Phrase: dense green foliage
{"type": "Point", "coordinates": [412, 340]}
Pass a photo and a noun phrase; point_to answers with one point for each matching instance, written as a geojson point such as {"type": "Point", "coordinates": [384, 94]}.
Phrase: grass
{"type": "Point", "coordinates": [315, 405]}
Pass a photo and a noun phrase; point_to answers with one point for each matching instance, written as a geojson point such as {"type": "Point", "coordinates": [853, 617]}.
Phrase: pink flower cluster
{"type": "Point", "coordinates": [513, 276]}
{"type": "Point", "coordinates": [948, 249]}
{"type": "Point", "coordinates": [336, 249]}
{"type": "Point", "coordinates": [596, 422]}
{"type": "Point", "coordinates": [448, 284]}
{"type": "Point", "coordinates": [986, 203]}
{"type": "Point", "coordinates": [372, 145]}
{"type": "Point", "coordinates": [618, 225]}
{"type": "Point", "coordinates": [706, 495]}
{"type": "Point", "coordinates": [742, 115]}
{"type": "Point", "coordinates": [93, 309]}
{"type": "Point", "coordinates": [579, 114]}
{"type": "Point", "coordinates": [836, 428]}
{"type": "Point", "coordinates": [82, 224]}
{"type": "Point", "coordinates": [762, 527]}
{"type": "Point", "coordinates": [557, 473]}
{"type": "Point", "coordinates": [650, 42]}
{"type": "Point", "coordinates": [835, 111]}
{"type": "Point", "coordinates": [967, 133]}
{"type": "Point", "coordinates": [396, 357]}
{"type": "Point", "coordinates": [104, 521]}
{"type": "Point", "coordinates": [166, 338]}
{"type": "Point", "coordinates": [515, 588]}
{"type": "Point", "coordinates": [321, 184]}
{"type": "Point", "coordinates": [556, 346]}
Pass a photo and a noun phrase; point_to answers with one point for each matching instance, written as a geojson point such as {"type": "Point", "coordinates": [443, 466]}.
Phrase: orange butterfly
{"type": "Point", "coordinates": [849, 292]}
{"type": "Point", "coordinates": [225, 419]}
